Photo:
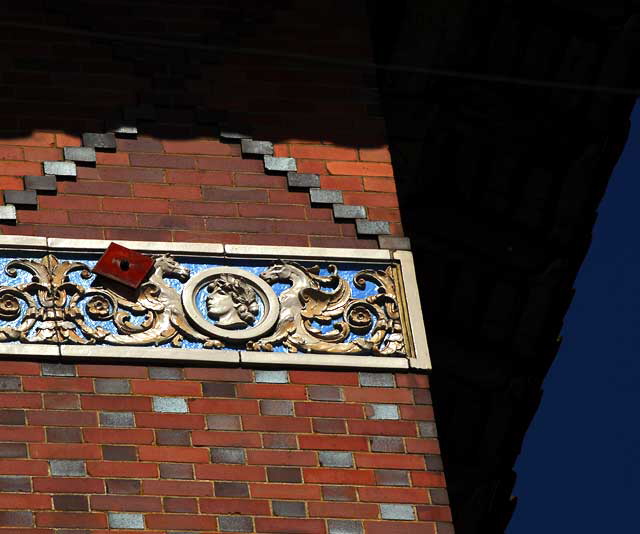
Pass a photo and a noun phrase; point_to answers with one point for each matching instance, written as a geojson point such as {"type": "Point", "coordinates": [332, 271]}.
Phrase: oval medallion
{"type": "Point", "coordinates": [238, 305]}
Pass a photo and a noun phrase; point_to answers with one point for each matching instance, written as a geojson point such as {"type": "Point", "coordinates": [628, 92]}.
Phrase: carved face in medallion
{"type": "Point", "coordinates": [232, 302]}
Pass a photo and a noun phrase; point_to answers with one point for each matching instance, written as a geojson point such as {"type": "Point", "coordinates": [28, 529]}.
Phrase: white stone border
{"type": "Point", "coordinates": [415, 322]}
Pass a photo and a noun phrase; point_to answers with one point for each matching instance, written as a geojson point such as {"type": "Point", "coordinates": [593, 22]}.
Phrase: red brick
{"type": "Point", "coordinates": [35, 139]}
{"type": "Point", "coordinates": [173, 454]}
{"type": "Point", "coordinates": [286, 491]}
{"type": "Point", "coordinates": [60, 401]}
{"type": "Point", "coordinates": [166, 387]}
{"type": "Point", "coordinates": [275, 424]}
{"type": "Point", "coordinates": [181, 192]}
{"type": "Point", "coordinates": [180, 505]}
{"type": "Point", "coordinates": [11, 153]}
{"type": "Point", "coordinates": [239, 194]}
{"type": "Point", "coordinates": [19, 368]}
{"type": "Point", "coordinates": [118, 435]}
{"type": "Point", "coordinates": [360, 169]}
{"type": "Point", "coordinates": [13, 183]}
{"type": "Point", "coordinates": [290, 526]}
{"type": "Point", "coordinates": [343, 183]}
{"type": "Point", "coordinates": [106, 158]}
{"type": "Point", "coordinates": [230, 164]}
{"type": "Point", "coordinates": [211, 209]}
{"type": "Point", "coordinates": [334, 443]}
{"type": "Point", "coordinates": [328, 409]}
{"type": "Point", "coordinates": [297, 458]}
{"type": "Point", "coordinates": [267, 391]}
{"type": "Point", "coordinates": [180, 488]}
{"type": "Point", "coordinates": [140, 144]}
{"type": "Point", "coordinates": [101, 218]}
{"type": "Point", "coordinates": [412, 380]}
{"type": "Point", "coordinates": [69, 202]}
{"type": "Point", "coordinates": [200, 177]}
{"type": "Point", "coordinates": [434, 513]}
{"type": "Point", "coordinates": [323, 152]}
{"type": "Point", "coordinates": [68, 485]}
{"type": "Point", "coordinates": [225, 439]}
{"type": "Point", "coordinates": [356, 477]}
{"type": "Point", "coordinates": [129, 174]}
{"type": "Point", "coordinates": [230, 472]}
{"type": "Point", "coordinates": [112, 371]}
{"type": "Point", "coordinates": [234, 506]}
{"type": "Point", "coordinates": [24, 467]}
{"type": "Point", "coordinates": [42, 216]}
{"type": "Point", "coordinates": [324, 378]}
{"type": "Point", "coordinates": [272, 211]}
{"type": "Point", "coordinates": [113, 189]}
{"type": "Point", "coordinates": [384, 395]}
{"type": "Point", "coordinates": [390, 461]}
{"type": "Point", "coordinates": [399, 495]}
{"type": "Point", "coordinates": [307, 228]}
{"type": "Point", "coordinates": [375, 154]}
{"type": "Point", "coordinates": [277, 196]}
{"type": "Point", "coordinates": [382, 428]}
{"type": "Point", "coordinates": [343, 510]}
{"type": "Point", "coordinates": [423, 446]}
{"type": "Point", "coordinates": [239, 225]}
{"type": "Point", "coordinates": [429, 480]}
{"type": "Point", "coordinates": [261, 180]}
{"type": "Point", "coordinates": [136, 205]}
{"type": "Point", "coordinates": [71, 519]}
{"type": "Point", "coordinates": [63, 140]}
{"type": "Point", "coordinates": [21, 400]}
{"type": "Point", "coordinates": [225, 407]}
{"type": "Point", "coordinates": [136, 234]}
{"type": "Point", "coordinates": [177, 222]}
{"type": "Point", "coordinates": [181, 521]}
{"type": "Point", "coordinates": [277, 240]}
{"type": "Point", "coordinates": [122, 469]}
{"type": "Point", "coordinates": [12, 433]}
{"type": "Point", "coordinates": [42, 154]}
{"type": "Point", "coordinates": [379, 200]}
{"type": "Point", "coordinates": [62, 418]}
{"type": "Point", "coordinates": [116, 403]}
{"type": "Point", "coordinates": [419, 413]}
{"type": "Point", "coordinates": [11, 501]}
{"type": "Point", "coordinates": [164, 420]}
{"type": "Point", "coordinates": [162, 161]}
{"type": "Point", "coordinates": [311, 166]}
{"type": "Point", "coordinates": [129, 503]}
{"type": "Point", "coordinates": [65, 450]}
{"type": "Point", "coordinates": [200, 146]}
{"type": "Point", "coordinates": [399, 527]}
{"type": "Point", "coordinates": [50, 383]}
{"type": "Point", "coordinates": [222, 374]}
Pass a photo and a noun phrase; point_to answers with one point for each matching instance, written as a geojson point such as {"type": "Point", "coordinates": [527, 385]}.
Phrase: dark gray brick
{"type": "Point", "coordinates": [289, 508]}
{"type": "Point", "coordinates": [428, 429]}
{"type": "Point", "coordinates": [227, 456]}
{"type": "Point", "coordinates": [434, 462]}
{"type": "Point", "coordinates": [172, 437]}
{"type": "Point", "coordinates": [296, 179]}
{"type": "Point", "coordinates": [112, 385]}
{"type": "Point", "coordinates": [165, 373]}
{"type": "Point", "coordinates": [377, 380]}
{"type": "Point", "coordinates": [47, 182]}
{"type": "Point", "coordinates": [383, 411]}
{"type": "Point", "coordinates": [104, 141]}
{"type": "Point", "coordinates": [10, 383]}
{"type": "Point", "coordinates": [116, 419]}
{"type": "Point", "coordinates": [335, 459]}
{"type": "Point", "coordinates": [325, 393]}
{"type": "Point", "coordinates": [402, 512]}
{"type": "Point", "coordinates": [325, 196]}
{"type": "Point", "coordinates": [235, 523]}
{"type": "Point", "coordinates": [85, 154]}
{"type": "Point", "coordinates": [394, 242]}
{"type": "Point", "coordinates": [272, 377]}
{"type": "Point", "coordinates": [392, 477]}
{"type": "Point", "coordinates": [60, 168]}
{"type": "Point", "coordinates": [15, 484]}
{"type": "Point", "coordinates": [231, 489]}
{"type": "Point", "coordinates": [343, 211]}
{"type": "Point", "coordinates": [279, 164]}
{"type": "Point", "coordinates": [387, 444]}
{"type": "Point", "coordinates": [58, 369]}
{"type": "Point", "coordinates": [256, 147]}
{"type": "Point", "coordinates": [276, 407]}
{"type": "Point", "coordinates": [21, 198]}
{"type": "Point", "coordinates": [439, 496]}
{"type": "Point", "coordinates": [170, 405]}
{"type": "Point", "coordinates": [67, 468]}
{"type": "Point", "coordinates": [126, 520]}
{"type": "Point", "coordinates": [366, 227]}
{"type": "Point", "coordinates": [341, 526]}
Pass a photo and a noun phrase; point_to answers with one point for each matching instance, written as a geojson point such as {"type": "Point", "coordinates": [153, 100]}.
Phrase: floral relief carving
{"type": "Point", "coordinates": [219, 307]}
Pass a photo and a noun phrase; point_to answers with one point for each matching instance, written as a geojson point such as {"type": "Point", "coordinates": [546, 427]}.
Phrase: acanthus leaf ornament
{"type": "Point", "coordinates": [219, 307]}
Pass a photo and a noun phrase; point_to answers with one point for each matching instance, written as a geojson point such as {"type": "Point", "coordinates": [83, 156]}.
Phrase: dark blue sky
{"type": "Point", "coordinates": [579, 470]}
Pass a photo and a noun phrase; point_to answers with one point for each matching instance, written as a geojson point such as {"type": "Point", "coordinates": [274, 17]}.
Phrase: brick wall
{"type": "Point", "coordinates": [214, 450]}
{"type": "Point", "coordinates": [89, 447]}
